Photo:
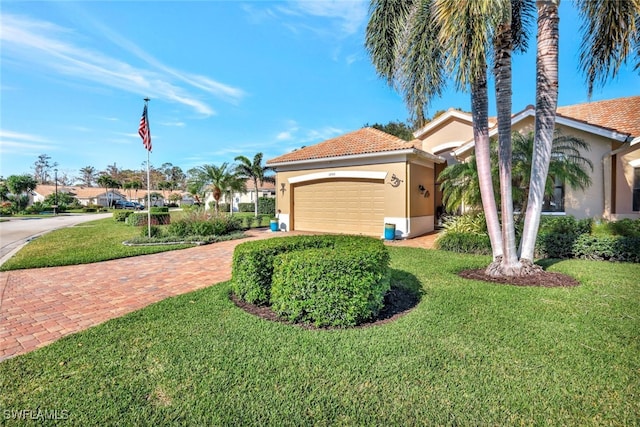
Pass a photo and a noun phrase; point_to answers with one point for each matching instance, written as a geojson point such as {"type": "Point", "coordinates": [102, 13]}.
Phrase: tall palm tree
{"type": "Point", "coordinates": [611, 33]}
{"type": "Point", "coordinates": [219, 179]}
{"type": "Point", "coordinates": [107, 182]}
{"type": "Point", "coordinates": [254, 171]}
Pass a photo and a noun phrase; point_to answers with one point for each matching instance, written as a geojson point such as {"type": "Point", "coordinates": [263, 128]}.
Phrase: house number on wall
{"type": "Point", "coordinates": [395, 181]}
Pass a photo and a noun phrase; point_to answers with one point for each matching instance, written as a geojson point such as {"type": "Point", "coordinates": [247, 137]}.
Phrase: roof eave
{"type": "Point", "coordinates": [406, 151]}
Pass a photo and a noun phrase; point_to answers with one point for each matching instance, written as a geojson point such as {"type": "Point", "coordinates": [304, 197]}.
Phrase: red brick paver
{"type": "Point", "coordinates": [39, 306]}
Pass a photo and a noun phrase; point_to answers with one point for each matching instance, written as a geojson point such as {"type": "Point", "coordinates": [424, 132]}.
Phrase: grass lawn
{"type": "Point", "coordinates": [470, 353]}
{"type": "Point", "coordinates": [93, 241]}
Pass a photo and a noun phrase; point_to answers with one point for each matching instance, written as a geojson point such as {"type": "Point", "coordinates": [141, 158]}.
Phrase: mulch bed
{"type": "Point", "coordinates": [397, 302]}
{"type": "Point", "coordinates": [543, 279]}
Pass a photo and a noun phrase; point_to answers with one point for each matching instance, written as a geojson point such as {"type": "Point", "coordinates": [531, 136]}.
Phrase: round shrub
{"type": "Point", "coordinates": [340, 286]}
{"type": "Point", "coordinates": [324, 280]}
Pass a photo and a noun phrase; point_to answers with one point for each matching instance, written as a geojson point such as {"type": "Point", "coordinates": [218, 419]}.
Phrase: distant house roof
{"type": "Point", "coordinates": [362, 141]}
{"type": "Point", "coordinates": [265, 185]}
{"type": "Point", "coordinates": [81, 192]}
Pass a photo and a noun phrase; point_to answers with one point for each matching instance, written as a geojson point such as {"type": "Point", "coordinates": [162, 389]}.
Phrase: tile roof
{"type": "Point", "coordinates": [620, 114]}
{"type": "Point", "coordinates": [362, 141]}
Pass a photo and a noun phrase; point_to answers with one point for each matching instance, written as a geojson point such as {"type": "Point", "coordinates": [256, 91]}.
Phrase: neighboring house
{"type": "Point", "coordinates": [356, 183]}
{"type": "Point", "coordinates": [85, 195]}
{"type": "Point", "coordinates": [612, 129]}
{"type": "Point", "coordinates": [267, 189]}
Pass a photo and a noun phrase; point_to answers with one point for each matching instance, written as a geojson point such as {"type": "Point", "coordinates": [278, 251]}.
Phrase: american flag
{"type": "Point", "coordinates": [143, 130]}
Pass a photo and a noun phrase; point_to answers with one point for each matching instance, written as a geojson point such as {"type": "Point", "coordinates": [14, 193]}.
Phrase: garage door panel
{"type": "Point", "coordinates": [340, 206]}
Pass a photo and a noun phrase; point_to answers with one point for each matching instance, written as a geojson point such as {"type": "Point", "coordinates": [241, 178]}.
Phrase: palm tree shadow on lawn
{"type": "Point", "coordinates": [405, 293]}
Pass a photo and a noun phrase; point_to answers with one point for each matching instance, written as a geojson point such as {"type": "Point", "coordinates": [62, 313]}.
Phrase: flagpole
{"type": "Point", "coordinates": [146, 101]}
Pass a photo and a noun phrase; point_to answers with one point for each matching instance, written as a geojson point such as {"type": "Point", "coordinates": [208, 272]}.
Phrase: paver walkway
{"type": "Point", "coordinates": [39, 306]}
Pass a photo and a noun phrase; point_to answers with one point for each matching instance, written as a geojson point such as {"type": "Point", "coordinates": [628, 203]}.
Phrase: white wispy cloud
{"type": "Point", "coordinates": [46, 45]}
{"type": "Point", "coordinates": [345, 17]}
{"type": "Point", "coordinates": [23, 143]}
{"type": "Point", "coordinates": [289, 133]}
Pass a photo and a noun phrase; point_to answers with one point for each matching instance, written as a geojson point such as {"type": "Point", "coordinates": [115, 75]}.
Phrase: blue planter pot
{"type": "Point", "coordinates": [389, 231]}
{"type": "Point", "coordinates": [274, 225]}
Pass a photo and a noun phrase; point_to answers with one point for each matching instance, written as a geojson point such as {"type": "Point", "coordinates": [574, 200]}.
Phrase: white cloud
{"type": "Point", "coordinates": [350, 14]}
{"type": "Point", "coordinates": [43, 44]}
{"type": "Point", "coordinates": [23, 143]}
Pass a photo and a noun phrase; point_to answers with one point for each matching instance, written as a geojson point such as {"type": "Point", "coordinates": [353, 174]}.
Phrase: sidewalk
{"type": "Point", "coordinates": [39, 306]}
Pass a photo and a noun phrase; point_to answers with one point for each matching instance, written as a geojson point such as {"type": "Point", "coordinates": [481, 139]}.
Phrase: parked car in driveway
{"type": "Point", "coordinates": [123, 204]}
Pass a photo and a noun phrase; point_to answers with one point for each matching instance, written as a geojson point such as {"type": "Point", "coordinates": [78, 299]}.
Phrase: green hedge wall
{"type": "Point", "coordinates": [122, 215]}
{"type": "Point", "coordinates": [140, 219]}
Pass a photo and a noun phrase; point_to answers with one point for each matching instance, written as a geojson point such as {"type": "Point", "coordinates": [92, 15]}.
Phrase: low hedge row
{"type": "Point", "coordinates": [140, 218]}
{"type": "Point", "coordinates": [324, 280]}
{"type": "Point", "coordinates": [122, 215]}
{"type": "Point", "coordinates": [214, 226]}
{"type": "Point", "coordinates": [555, 245]}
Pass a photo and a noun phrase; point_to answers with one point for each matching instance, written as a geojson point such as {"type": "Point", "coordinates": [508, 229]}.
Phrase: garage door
{"type": "Point", "coordinates": [353, 206]}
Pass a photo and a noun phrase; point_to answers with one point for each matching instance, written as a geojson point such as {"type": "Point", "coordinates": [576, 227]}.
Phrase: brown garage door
{"type": "Point", "coordinates": [352, 206]}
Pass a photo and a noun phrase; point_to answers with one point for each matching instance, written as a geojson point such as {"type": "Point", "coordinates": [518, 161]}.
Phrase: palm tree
{"type": "Point", "coordinates": [254, 171]}
{"type": "Point", "coordinates": [611, 32]}
{"type": "Point", "coordinates": [219, 179]}
{"type": "Point", "coordinates": [460, 181]}
{"type": "Point", "coordinates": [108, 182]}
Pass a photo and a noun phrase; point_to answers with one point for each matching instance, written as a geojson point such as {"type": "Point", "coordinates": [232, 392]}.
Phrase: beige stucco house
{"type": "Point", "coordinates": [356, 183]}
{"type": "Point", "coordinates": [612, 129]}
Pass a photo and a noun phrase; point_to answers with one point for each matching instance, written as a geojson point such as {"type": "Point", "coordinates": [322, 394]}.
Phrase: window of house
{"type": "Point", "coordinates": [555, 202]}
{"type": "Point", "coordinates": [636, 189]}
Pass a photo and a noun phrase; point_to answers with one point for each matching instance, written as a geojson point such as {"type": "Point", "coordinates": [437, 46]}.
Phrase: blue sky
{"type": "Point", "coordinates": [225, 78]}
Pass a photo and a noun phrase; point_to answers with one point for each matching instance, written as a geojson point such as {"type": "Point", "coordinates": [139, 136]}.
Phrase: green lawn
{"type": "Point", "coordinates": [470, 353]}
{"type": "Point", "coordinates": [93, 241]}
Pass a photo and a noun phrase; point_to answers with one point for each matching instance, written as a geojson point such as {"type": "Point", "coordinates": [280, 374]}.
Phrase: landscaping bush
{"type": "Point", "coordinates": [266, 206]}
{"type": "Point", "coordinates": [201, 224]}
{"type": "Point", "coordinates": [140, 218]}
{"type": "Point", "coordinates": [159, 209]}
{"type": "Point", "coordinates": [555, 245]}
{"type": "Point", "coordinates": [461, 242]}
{"type": "Point", "coordinates": [565, 225]}
{"type": "Point", "coordinates": [624, 227]}
{"type": "Point", "coordinates": [609, 248]}
{"type": "Point", "coordinates": [246, 207]}
{"type": "Point", "coordinates": [337, 286]}
{"type": "Point", "coordinates": [253, 262]}
{"type": "Point", "coordinates": [121, 216]}
{"type": "Point", "coordinates": [473, 223]}
{"type": "Point", "coordinates": [154, 230]}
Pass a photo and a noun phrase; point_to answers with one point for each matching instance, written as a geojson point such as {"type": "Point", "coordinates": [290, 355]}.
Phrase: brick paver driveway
{"type": "Point", "coordinates": [39, 306]}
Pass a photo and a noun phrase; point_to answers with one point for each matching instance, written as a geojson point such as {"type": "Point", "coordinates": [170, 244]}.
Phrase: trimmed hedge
{"type": "Point", "coordinates": [325, 280]}
{"type": "Point", "coordinates": [140, 219]}
{"type": "Point", "coordinates": [468, 243]}
{"type": "Point", "coordinates": [159, 209]}
{"type": "Point", "coordinates": [121, 216]}
{"type": "Point", "coordinates": [266, 206]}
{"type": "Point", "coordinates": [608, 248]}
{"type": "Point", "coordinates": [215, 226]}
{"type": "Point", "coordinates": [340, 286]}
{"type": "Point", "coordinates": [253, 262]}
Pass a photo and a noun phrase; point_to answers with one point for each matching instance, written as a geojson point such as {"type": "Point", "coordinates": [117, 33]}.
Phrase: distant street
{"type": "Point", "coordinates": [18, 231]}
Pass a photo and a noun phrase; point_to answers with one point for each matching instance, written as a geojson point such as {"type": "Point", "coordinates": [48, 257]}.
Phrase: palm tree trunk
{"type": "Point", "coordinates": [510, 264]}
{"type": "Point", "coordinates": [255, 185]}
{"type": "Point", "coordinates": [479, 112]}
{"type": "Point", "coordinates": [546, 104]}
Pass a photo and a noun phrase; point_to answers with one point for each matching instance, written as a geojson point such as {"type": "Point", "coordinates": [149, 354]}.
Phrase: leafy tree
{"type": "Point", "coordinates": [63, 200]}
{"type": "Point", "coordinates": [254, 171]}
{"type": "Point", "coordinates": [4, 190]}
{"type": "Point", "coordinates": [20, 186]}
{"type": "Point", "coordinates": [399, 129]}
